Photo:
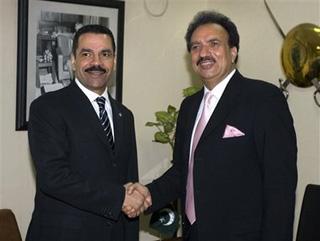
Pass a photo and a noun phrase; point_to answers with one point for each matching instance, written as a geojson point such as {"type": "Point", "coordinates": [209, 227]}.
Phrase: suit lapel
{"type": "Point", "coordinates": [117, 116]}
{"type": "Point", "coordinates": [191, 119]}
{"type": "Point", "coordinates": [225, 105]}
{"type": "Point", "coordinates": [88, 113]}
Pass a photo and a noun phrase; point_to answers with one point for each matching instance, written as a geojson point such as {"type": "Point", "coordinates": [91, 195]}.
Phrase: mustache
{"type": "Point", "coordinates": [205, 58]}
{"type": "Point", "coordinates": [96, 68]}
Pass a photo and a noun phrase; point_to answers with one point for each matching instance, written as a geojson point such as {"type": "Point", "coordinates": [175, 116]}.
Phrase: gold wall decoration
{"type": "Point", "coordinates": [300, 56]}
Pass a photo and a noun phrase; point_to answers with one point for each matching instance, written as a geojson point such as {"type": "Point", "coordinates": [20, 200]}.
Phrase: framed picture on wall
{"type": "Point", "coordinates": [45, 35]}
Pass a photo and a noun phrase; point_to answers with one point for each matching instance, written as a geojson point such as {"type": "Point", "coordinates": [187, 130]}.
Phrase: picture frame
{"type": "Point", "coordinates": [45, 33]}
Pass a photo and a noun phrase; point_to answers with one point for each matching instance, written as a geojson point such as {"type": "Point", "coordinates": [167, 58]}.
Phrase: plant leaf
{"type": "Point", "coordinates": [191, 90]}
{"type": "Point", "coordinates": [163, 117]}
{"type": "Point", "coordinates": [171, 109]}
{"type": "Point", "coordinates": [161, 137]}
{"type": "Point", "coordinates": [152, 123]}
{"type": "Point", "coordinates": [169, 127]}
{"type": "Point", "coordinates": [176, 116]}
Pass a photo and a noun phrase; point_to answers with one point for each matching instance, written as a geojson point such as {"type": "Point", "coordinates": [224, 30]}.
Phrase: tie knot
{"type": "Point", "coordinates": [101, 101]}
{"type": "Point", "coordinates": [208, 99]}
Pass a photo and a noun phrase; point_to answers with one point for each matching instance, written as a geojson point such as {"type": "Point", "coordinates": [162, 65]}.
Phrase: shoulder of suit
{"type": "Point", "coordinates": [121, 107]}
{"type": "Point", "coordinates": [55, 97]}
{"type": "Point", "coordinates": [191, 101]}
{"type": "Point", "coordinates": [194, 97]}
{"type": "Point", "coordinates": [259, 88]}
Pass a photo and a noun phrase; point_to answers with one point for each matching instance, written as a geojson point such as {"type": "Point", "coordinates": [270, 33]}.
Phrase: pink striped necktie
{"type": "Point", "coordinates": [205, 115]}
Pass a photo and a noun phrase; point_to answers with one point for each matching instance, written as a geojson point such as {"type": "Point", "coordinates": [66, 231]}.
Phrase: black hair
{"type": "Point", "coordinates": [205, 17]}
{"type": "Point", "coordinates": [92, 28]}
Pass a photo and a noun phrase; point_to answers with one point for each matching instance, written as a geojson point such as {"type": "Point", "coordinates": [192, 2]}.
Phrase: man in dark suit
{"type": "Point", "coordinates": [234, 162]}
{"type": "Point", "coordinates": [82, 165]}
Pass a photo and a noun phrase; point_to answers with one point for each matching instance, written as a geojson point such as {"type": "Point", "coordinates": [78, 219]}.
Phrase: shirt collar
{"type": "Point", "coordinates": [218, 90]}
{"type": "Point", "coordinates": [92, 96]}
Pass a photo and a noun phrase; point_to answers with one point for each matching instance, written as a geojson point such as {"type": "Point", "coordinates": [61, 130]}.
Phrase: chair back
{"type": "Point", "coordinates": [9, 230]}
{"type": "Point", "coordinates": [309, 221]}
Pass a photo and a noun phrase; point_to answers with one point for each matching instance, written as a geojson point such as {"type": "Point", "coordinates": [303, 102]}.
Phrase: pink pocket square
{"type": "Point", "coordinates": [231, 131]}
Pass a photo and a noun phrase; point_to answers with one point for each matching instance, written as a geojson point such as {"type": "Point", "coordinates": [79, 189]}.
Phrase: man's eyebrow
{"type": "Point", "coordinates": [107, 50]}
{"type": "Point", "coordinates": [214, 39]}
{"type": "Point", "coordinates": [208, 40]}
{"type": "Point", "coordinates": [194, 42]}
{"type": "Point", "coordinates": [85, 50]}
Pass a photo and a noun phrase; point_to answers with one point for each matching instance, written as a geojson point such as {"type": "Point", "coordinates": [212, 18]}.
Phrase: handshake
{"type": "Point", "coordinates": [137, 199]}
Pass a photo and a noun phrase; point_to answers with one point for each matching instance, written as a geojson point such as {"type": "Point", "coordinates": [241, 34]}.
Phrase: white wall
{"type": "Point", "coordinates": [17, 184]}
{"type": "Point", "coordinates": [155, 71]}
{"type": "Point", "coordinates": [1, 109]}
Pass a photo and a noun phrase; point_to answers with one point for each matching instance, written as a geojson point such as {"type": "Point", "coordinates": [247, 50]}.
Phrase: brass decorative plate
{"type": "Point", "coordinates": [300, 54]}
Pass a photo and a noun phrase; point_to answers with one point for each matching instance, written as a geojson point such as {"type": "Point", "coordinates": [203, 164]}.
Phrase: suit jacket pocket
{"type": "Point", "coordinates": [246, 225]}
{"type": "Point", "coordinates": [61, 220]}
{"type": "Point", "coordinates": [57, 227]}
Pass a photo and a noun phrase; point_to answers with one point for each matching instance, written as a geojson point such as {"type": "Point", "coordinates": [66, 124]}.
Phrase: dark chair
{"type": "Point", "coordinates": [309, 221]}
{"type": "Point", "coordinates": [9, 230]}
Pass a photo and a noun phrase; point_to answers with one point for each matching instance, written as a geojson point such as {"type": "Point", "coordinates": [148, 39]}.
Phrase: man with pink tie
{"type": "Point", "coordinates": [234, 162]}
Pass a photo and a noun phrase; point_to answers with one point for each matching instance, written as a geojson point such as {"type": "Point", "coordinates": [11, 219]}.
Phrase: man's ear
{"type": "Point", "coordinates": [115, 63]}
{"type": "Point", "coordinates": [234, 53]}
{"type": "Point", "coordinates": [73, 62]}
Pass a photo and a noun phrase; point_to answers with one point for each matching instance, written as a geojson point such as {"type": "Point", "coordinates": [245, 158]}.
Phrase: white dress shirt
{"type": "Point", "coordinates": [92, 96]}
{"type": "Point", "coordinates": [217, 92]}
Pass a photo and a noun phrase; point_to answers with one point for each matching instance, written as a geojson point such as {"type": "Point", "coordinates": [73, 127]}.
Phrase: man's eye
{"type": "Point", "coordinates": [85, 54]}
{"type": "Point", "coordinates": [107, 54]}
{"type": "Point", "coordinates": [214, 43]}
{"type": "Point", "coordinates": [194, 47]}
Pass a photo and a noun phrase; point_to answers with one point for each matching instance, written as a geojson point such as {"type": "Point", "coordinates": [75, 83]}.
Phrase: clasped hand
{"type": "Point", "coordinates": [137, 199]}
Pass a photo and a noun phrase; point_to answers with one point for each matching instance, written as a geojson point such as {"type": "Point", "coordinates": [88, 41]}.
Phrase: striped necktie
{"type": "Point", "coordinates": [105, 120]}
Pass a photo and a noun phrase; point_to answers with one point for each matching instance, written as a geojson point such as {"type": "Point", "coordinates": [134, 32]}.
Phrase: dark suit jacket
{"type": "Point", "coordinates": [244, 186]}
{"type": "Point", "coordinates": [79, 181]}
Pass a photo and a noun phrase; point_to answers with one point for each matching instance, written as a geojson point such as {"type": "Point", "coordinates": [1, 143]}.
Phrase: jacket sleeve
{"type": "Point", "coordinates": [277, 150]}
{"type": "Point", "coordinates": [132, 224]}
{"type": "Point", "coordinates": [169, 187]}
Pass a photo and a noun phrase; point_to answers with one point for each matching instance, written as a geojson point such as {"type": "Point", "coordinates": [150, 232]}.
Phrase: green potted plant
{"type": "Point", "coordinates": [165, 124]}
{"type": "Point", "coordinates": [166, 121]}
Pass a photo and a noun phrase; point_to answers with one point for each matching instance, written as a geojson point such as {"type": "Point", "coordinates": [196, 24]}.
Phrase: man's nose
{"type": "Point", "coordinates": [204, 50]}
{"type": "Point", "coordinates": [96, 60]}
